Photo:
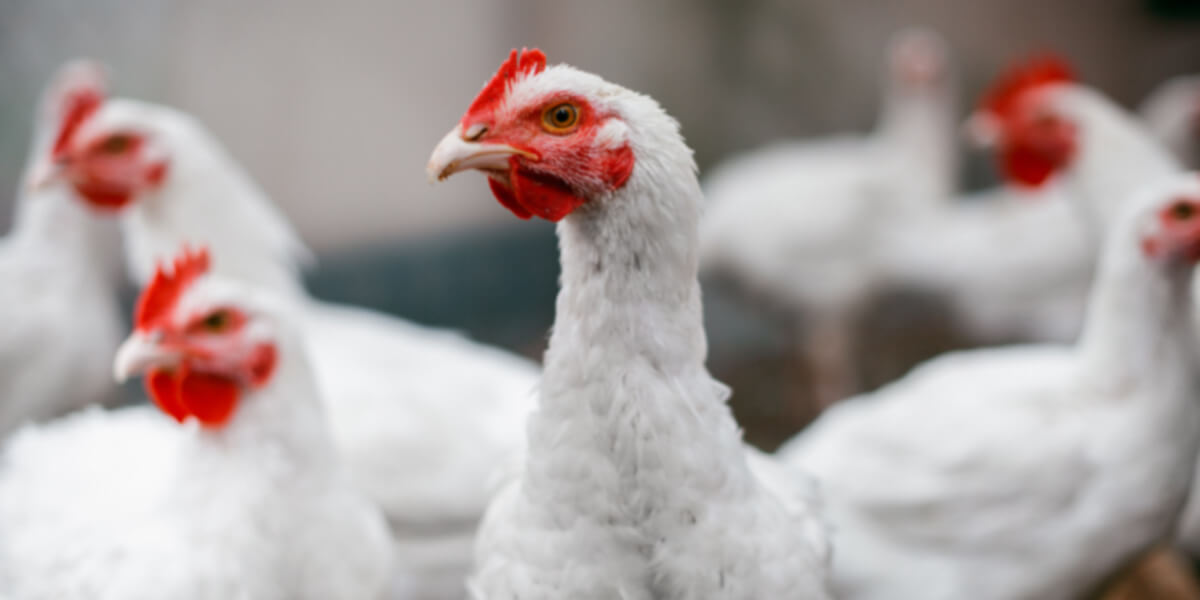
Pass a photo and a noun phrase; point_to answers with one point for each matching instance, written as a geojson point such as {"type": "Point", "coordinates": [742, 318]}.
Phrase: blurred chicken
{"type": "Point", "coordinates": [422, 417]}
{"type": "Point", "coordinates": [1172, 114]}
{"type": "Point", "coordinates": [1011, 264]}
{"type": "Point", "coordinates": [797, 221]}
{"type": "Point", "coordinates": [636, 483]}
{"type": "Point", "coordinates": [1046, 127]}
{"type": "Point", "coordinates": [1050, 126]}
{"type": "Point", "coordinates": [58, 300]}
{"type": "Point", "coordinates": [1029, 472]}
{"type": "Point", "coordinates": [242, 498]}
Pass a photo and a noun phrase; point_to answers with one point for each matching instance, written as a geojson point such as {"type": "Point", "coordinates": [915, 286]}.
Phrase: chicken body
{"type": "Point", "coordinates": [636, 483]}
{"type": "Point", "coordinates": [58, 301]}
{"type": "Point", "coordinates": [422, 417]}
{"type": "Point", "coordinates": [1025, 472]}
{"type": "Point", "coordinates": [130, 505]}
{"type": "Point", "coordinates": [800, 222]}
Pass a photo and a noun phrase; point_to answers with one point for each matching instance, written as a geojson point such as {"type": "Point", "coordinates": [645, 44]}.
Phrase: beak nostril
{"type": "Point", "coordinates": [475, 132]}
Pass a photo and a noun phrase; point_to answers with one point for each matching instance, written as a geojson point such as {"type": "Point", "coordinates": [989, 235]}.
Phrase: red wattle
{"type": "Point", "coordinates": [181, 393]}
{"type": "Point", "coordinates": [105, 201]}
{"type": "Point", "coordinates": [506, 198]}
{"type": "Point", "coordinates": [546, 200]}
{"type": "Point", "coordinates": [162, 388]}
{"type": "Point", "coordinates": [1026, 167]}
{"type": "Point", "coordinates": [210, 398]}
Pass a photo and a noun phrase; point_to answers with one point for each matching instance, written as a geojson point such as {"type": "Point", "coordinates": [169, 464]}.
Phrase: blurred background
{"type": "Point", "coordinates": [334, 108]}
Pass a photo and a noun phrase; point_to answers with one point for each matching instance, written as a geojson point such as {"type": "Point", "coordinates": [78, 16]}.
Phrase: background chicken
{"type": "Point", "coordinates": [636, 482]}
{"type": "Point", "coordinates": [1029, 472]}
{"type": "Point", "coordinates": [1172, 114]}
{"type": "Point", "coordinates": [243, 497]}
{"type": "Point", "coordinates": [58, 265]}
{"type": "Point", "coordinates": [420, 416]}
{"type": "Point", "coordinates": [797, 221]}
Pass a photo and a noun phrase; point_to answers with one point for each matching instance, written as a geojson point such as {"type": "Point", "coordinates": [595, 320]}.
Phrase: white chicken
{"type": "Point", "coordinates": [422, 417]}
{"type": "Point", "coordinates": [1046, 127]}
{"type": "Point", "coordinates": [244, 497]}
{"type": "Point", "coordinates": [797, 221]}
{"type": "Point", "coordinates": [1171, 113]}
{"type": "Point", "coordinates": [636, 483]}
{"type": "Point", "coordinates": [1028, 472]}
{"type": "Point", "coordinates": [58, 300]}
{"type": "Point", "coordinates": [1011, 265]}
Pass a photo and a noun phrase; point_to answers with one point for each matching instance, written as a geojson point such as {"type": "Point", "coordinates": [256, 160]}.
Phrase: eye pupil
{"type": "Point", "coordinates": [115, 144]}
{"type": "Point", "coordinates": [560, 118]}
{"type": "Point", "coordinates": [1184, 211]}
{"type": "Point", "coordinates": [215, 321]}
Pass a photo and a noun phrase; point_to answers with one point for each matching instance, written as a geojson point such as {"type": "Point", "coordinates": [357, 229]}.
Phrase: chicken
{"type": "Point", "coordinates": [1035, 471]}
{"type": "Point", "coordinates": [235, 491]}
{"type": "Point", "coordinates": [58, 300]}
{"type": "Point", "coordinates": [785, 216]}
{"type": "Point", "coordinates": [421, 417]}
{"type": "Point", "coordinates": [1034, 289]}
{"type": "Point", "coordinates": [1172, 114]}
{"type": "Point", "coordinates": [1046, 126]}
{"type": "Point", "coordinates": [636, 483]}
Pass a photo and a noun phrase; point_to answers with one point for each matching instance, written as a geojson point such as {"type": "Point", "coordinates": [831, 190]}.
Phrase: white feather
{"type": "Point", "coordinates": [636, 484]}
{"type": "Point", "coordinates": [1025, 472]}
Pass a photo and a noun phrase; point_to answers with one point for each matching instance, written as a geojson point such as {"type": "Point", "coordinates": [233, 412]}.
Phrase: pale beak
{"type": "Point", "coordinates": [454, 154]}
{"type": "Point", "coordinates": [45, 173]}
{"type": "Point", "coordinates": [982, 130]}
{"type": "Point", "coordinates": [140, 353]}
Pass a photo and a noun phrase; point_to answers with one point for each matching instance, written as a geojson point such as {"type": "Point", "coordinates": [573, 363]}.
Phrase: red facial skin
{"type": "Point", "coordinates": [1036, 144]}
{"type": "Point", "coordinates": [569, 167]}
{"type": "Point", "coordinates": [212, 372]}
{"type": "Point", "coordinates": [1034, 141]}
{"type": "Point", "coordinates": [1178, 235]}
{"type": "Point", "coordinates": [109, 170]}
{"type": "Point", "coordinates": [216, 363]}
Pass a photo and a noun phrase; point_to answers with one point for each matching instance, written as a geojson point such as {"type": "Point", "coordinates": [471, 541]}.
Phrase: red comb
{"type": "Point", "coordinates": [78, 103]}
{"type": "Point", "coordinates": [1040, 70]}
{"type": "Point", "coordinates": [164, 289]}
{"type": "Point", "coordinates": [525, 61]}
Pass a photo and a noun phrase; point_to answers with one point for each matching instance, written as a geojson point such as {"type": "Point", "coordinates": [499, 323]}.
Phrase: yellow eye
{"type": "Point", "coordinates": [560, 118]}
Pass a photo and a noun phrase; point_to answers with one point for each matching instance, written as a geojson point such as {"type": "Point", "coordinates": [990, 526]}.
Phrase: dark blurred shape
{"type": "Point", "coordinates": [1175, 9]}
{"type": "Point", "coordinates": [498, 285]}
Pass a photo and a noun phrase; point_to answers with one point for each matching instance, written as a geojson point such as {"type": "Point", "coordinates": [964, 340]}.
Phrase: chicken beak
{"type": "Point", "coordinates": [982, 130]}
{"type": "Point", "coordinates": [46, 173]}
{"type": "Point", "coordinates": [140, 353]}
{"type": "Point", "coordinates": [455, 153]}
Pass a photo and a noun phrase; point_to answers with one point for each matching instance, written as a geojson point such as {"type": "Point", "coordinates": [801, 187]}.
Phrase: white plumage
{"type": "Point", "coordinates": [129, 505]}
{"type": "Point", "coordinates": [421, 416]}
{"type": "Point", "coordinates": [636, 483]}
{"type": "Point", "coordinates": [58, 299]}
{"type": "Point", "coordinates": [1011, 264]}
{"type": "Point", "coordinates": [799, 221]}
{"type": "Point", "coordinates": [1171, 113]}
{"type": "Point", "coordinates": [1026, 472]}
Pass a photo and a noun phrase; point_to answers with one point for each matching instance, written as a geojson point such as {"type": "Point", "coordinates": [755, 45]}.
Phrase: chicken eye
{"type": "Point", "coordinates": [115, 144]}
{"type": "Point", "coordinates": [560, 118]}
{"type": "Point", "coordinates": [1182, 211]}
{"type": "Point", "coordinates": [216, 321]}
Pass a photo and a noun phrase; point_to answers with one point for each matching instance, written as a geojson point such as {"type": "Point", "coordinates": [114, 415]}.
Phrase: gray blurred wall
{"type": "Point", "coordinates": [334, 106]}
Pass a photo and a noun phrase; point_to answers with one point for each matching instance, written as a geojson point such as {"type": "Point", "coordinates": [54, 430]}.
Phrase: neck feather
{"type": "Point", "coordinates": [208, 199]}
{"type": "Point", "coordinates": [285, 416]}
{"type": "Point", "coordinates": [624, 381]}
{"type": "Point", "coordinates": [1139, 329]}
